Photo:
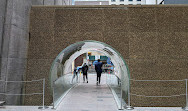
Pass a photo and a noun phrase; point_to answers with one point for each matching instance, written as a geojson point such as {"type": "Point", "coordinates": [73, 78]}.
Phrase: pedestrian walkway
{"type": "Point", "coordinates": [89, 97]}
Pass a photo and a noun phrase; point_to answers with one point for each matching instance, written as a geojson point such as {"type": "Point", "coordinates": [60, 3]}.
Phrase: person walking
{"type": "Point", "coordinates": [84, 71]}
{"type": "Point", "coordinates": [98, 69]}
{"type": "Point", "coordinates": [75, 74]}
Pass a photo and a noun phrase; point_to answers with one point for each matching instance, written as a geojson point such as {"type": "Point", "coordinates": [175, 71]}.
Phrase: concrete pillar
{"type": "Point", "coordinates": [49, 2]}
{"type": "Point", "coordinates": [14, 38]}
{"type": "Point", "coordinates": [3, 5]}
{"type": "Point", "coordinates": [37, 2]}
{"type": "Point", "coordinates": [58, 2]}
{"type": "Point", "coordinates": [14, 47]}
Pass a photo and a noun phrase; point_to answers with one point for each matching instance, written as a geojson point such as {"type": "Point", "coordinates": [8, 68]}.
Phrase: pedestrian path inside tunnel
{"type": "Point", "coordinates": [89, 96]}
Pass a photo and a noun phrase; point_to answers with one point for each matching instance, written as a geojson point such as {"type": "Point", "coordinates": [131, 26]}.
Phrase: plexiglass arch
{"type": "Point", "coordinates": [63, 61]}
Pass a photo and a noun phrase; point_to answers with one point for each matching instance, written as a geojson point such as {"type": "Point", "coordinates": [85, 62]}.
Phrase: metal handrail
{"type": "Point", "coordinates": [116, 76]}
{"type": "Point", "coordinates": [186, 93]}
{"type": "Point", "coordinates": [23, 81]}
{"type": "Point", "coordinates": [20, 94]}
{"type": "Point", "coordinates": [43, 90]}
{"type": "Point", "coordinates": [158, 96]}
{"type": "Point", "coordinates": [156, 80]}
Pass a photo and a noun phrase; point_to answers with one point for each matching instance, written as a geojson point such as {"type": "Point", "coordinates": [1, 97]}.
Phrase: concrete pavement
{"type": "Point", "coordinates": [89, 97]}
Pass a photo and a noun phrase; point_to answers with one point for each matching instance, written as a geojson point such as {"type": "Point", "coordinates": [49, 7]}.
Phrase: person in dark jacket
{"type": "Point", "coordinates": [84, 71]}
{"type": "Point", "coordinates": [98, 69]}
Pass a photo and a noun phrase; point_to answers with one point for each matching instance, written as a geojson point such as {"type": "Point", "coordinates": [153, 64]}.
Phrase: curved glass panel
{"type": "Point", "coordinates": [61, 67]}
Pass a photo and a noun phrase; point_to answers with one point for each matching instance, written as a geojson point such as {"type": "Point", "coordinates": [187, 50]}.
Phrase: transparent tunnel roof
{"type": "Point", "coordinates": [69, 54]}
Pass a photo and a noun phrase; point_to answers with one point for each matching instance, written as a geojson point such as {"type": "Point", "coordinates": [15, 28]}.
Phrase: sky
{"type": "Point", "coordinates": [152, 1]}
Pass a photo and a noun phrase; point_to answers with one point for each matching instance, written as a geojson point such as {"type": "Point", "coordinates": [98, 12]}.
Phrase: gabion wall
{"type": "Point", "coordinates": [152, 39]}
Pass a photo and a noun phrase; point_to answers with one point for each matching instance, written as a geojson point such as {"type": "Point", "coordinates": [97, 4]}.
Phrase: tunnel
{"type": "Point", "coordinates": [60, 73]}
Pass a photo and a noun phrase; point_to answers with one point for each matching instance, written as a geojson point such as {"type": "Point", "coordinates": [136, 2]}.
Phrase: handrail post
{"type": "Point", "coordinates": [186, 107]}
{"type": "Point", "coordinates": [110, 79]}
{"type": "Point", "coordinates": [121, 96]}
{"type": "Point", "coordinates": [106, 79]}
{"type": "Point", "coordinates": [53, 94]}
{"type": "Point", "coordinates": [129, 107]}
{"type": "Point", "coordinates": [43, 94]}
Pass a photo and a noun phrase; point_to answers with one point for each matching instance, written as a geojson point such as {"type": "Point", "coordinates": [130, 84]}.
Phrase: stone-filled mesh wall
{"type": "Point", "coordinates": [152, 39]}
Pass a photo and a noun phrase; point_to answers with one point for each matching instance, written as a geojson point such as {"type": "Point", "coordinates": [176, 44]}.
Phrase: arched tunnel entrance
{"type": "Point", "coordinates": [61, 75]}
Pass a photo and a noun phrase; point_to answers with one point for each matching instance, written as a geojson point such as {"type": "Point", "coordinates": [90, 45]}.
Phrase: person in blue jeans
{"type": "Point", "coordinates": [98, 69]}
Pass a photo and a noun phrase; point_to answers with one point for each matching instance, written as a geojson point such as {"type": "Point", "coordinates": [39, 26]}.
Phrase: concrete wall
{"type": "Point", "coordinates": [51, 2]}
{"type": "Point", "coordinates": [14, 46]}
{"type": "Point", "coordinates": [152, 39]}
{"type": "Point", "coordinates": [14, 38]}
{"type": "Point", "coordinates": [2, 18]}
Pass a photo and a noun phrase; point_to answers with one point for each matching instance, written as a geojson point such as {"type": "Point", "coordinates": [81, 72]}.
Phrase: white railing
{"type": "Point", "coordinates": [29, 94]}
{"type": "Point", "coordinates": [154, 96]}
